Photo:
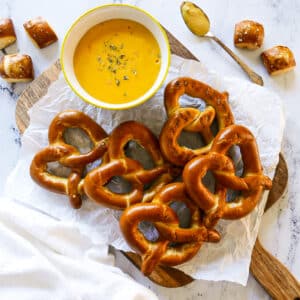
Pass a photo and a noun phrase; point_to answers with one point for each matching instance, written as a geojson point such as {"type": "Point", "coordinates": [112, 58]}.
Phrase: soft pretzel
{"type": "Point", "coordinates": [278, 60]}
{"type": "Point", "coordinates": [7, 32]}
{"type": "Point", "coordinates": [40, 32]}
{"type": "Point", "coordinates": [191, 119]}
{"type": "Point", "coordinates": [248, 34]}
{"type": "Point", "coordinates": [187, 240]}
{"type": "Point", "coordinates": [16, 68]}
{"type": "Point", "coordinates": [117, 164]}
{"type": "Point", "coordinates": [251, 184]}
{"type": "Point", "coordinates": [67, 155]}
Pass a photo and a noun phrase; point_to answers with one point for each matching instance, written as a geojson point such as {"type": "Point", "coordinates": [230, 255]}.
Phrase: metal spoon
{"type": "Point", "coordinates": [198, 23]}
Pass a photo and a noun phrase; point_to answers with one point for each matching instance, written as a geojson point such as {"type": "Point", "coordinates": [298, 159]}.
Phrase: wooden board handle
{"type": "Point", "coordinates": [273, 275]}
{"type": "Point", "coordinates": [163, 275]}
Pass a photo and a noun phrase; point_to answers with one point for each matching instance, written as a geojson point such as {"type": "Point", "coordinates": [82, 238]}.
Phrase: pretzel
{"type": "Point", "coordinates": [188, 240]}
{"type": "Point", "coordinates": [251, 184]}
{"type": "Point", "coordinates": [117, 164]}
{"type": "Point", "coordinates": [248, 34]}
{"type": "Point", "coordinates": [7, 32]}
{"type": "Point", "coordinates": [191, 119]}
{"type": "Point", "coordinates": [67, 155]}
{"type": "Point", "coordinates": [77, 119]}
{"type": "Point", "coordinates": [278, 60]}
{"type": "Point", "coordinates": [16, 68]}
{"type": "Point", "coordinates": [40, 32]}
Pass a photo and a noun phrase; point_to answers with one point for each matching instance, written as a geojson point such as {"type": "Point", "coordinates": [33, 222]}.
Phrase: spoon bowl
{"type": "Point", "coordinates": [198, 23]}
{"type": "Point", "coordinates": [195, 18]}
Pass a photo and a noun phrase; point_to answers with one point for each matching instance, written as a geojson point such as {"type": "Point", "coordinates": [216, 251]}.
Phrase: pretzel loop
{"type": "Point", "coordinates": [251, 184]}
{"type": "Point", "coordinates": [77, 119]}
{"type": "Point", "coordinates": [188, 240]}
{"type": "Point", "coordinates": [95, 181]}
{"type": "Point", "coordinates": [191, 119]}
{"type": "Point", "coordinates": [116, 163]}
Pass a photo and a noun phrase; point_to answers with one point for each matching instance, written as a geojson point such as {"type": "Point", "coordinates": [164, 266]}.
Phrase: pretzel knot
{"type": "Point", "coordinates": [251, 184]}
{"type": "Point", "coordinates": [116, 163]}
{"type": "Point", "coordinates": [68, 155]}
{"type": "Point", "coordinates": [191, 119]}
{"type": "Point", "coordinates": [175, 245]}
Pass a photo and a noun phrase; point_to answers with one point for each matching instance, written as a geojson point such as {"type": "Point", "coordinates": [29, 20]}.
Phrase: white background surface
{"type": "Point", "coordinates": [280, 230]}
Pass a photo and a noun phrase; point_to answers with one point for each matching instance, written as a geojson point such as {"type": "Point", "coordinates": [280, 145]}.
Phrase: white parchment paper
{"type": "Point", "coordinates": [253, 106]}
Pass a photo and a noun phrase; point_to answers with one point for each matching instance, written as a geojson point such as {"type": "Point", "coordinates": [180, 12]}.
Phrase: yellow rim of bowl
{"type": "Point", "coordinates": [129, 105]}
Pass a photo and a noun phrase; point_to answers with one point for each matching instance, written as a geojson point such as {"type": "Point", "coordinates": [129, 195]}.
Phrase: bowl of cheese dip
{"type": "Point", "coordinates": [115, 56]}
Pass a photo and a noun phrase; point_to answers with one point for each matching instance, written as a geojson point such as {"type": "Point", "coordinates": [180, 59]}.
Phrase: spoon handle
{"type": "Point", "coordinates": [252, 75]}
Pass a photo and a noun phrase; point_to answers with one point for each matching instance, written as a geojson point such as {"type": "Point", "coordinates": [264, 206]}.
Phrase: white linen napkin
{"type": "Point", "coordinates": [44, 258]}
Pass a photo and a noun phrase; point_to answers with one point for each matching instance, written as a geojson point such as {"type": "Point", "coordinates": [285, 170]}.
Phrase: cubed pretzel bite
{"type": "Point", "coordinates": [7, 32]}
{"type": "Point", "coordinates": [278, 60]}
{"type": "Point", "coordinates": [16, 68]}
{"type": "Point", "coordinates": [248, 34]}
{"type": "Point", "coordinates": [40, 32]}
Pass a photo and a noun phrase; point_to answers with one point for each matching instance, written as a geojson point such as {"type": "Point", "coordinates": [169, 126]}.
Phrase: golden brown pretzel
{"type": "Point", "coordinates": [67, 155]}
{"type": "Point", "coordinates": [40, 32]}
{"type": "Point", "coordinates": [251, 183]}
{"type": "Point", "coordinates": [248, 34]}
{"type": "Point", "coordinates": [191, 119]}
{"type": "Point", "coordinates": [188, 240]}
{"type": "Point", "coordinates": [16, 68]}
{"type": "Point", "coordinates": [117, 164]}
{"type": "Point", "coordinates": [7, 32]}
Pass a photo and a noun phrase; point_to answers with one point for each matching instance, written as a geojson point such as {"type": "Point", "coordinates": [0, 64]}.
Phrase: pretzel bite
{"type": "Point", "coordinates": [40, 32]}
{"type": "Point", "coordinates": [279, 59]}
{"type": "Point", "coordinates": [7, 33]}
{"type": "Point", "coordinates": [248, 34]}
{"type": "Point", "coordinates": [16, 68]}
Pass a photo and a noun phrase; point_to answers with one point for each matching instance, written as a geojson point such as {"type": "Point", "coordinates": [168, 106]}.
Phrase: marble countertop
{"type": "Point", "coordinates": [280, 229]}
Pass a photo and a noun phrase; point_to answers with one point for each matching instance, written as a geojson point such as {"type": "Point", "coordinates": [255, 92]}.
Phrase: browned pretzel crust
{"type": "Point", "coordinates": [278, 60]}
{"type": "Point", "coordinates": [16, 68]}
{"type": "Point", "coordinates": [188, 240]}
{"type": "Point", "coordinates": [251, 184]}
{"type": "Point", "coordinates": [67, 155]}
{"type": "Point", "coordinates": [117, 164]}
{"type": "Point", "coordinates": [40, 32]}
{"type": "Point", "coordinates": [191, 119]}
{"type": "Point", "coordinates": [7, 32]}
{"type": "Point", "coordinates": [77, 119]}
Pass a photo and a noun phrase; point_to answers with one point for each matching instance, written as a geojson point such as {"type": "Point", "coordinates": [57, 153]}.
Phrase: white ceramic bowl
{"type": "Point", "coordinates": [98, 15]}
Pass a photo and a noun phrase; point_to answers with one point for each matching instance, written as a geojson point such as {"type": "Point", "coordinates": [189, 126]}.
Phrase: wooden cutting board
{"type": "Point", "coordinates": [165, 276]}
